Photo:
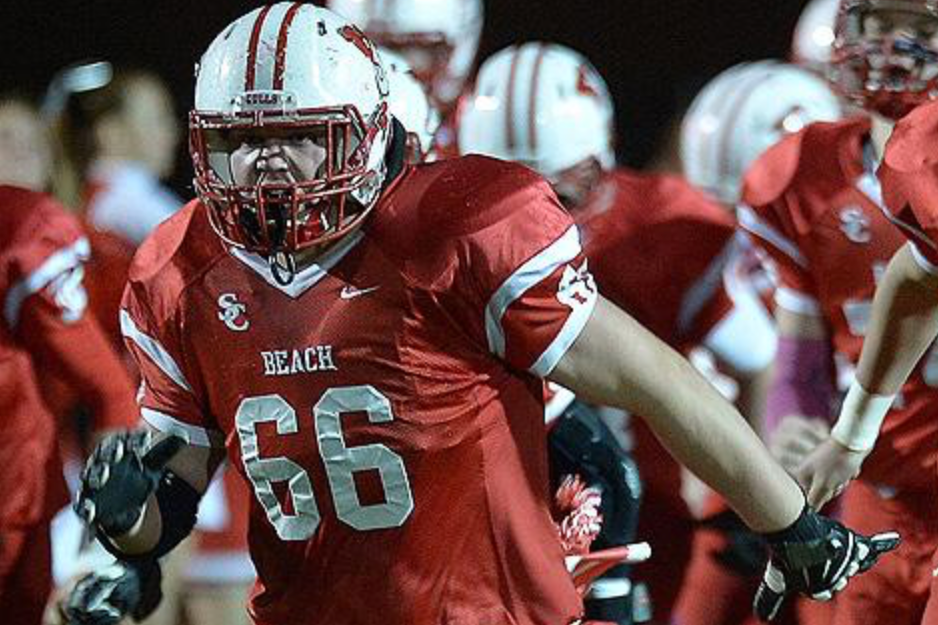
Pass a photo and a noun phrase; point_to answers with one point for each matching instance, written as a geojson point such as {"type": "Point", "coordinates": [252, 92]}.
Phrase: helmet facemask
{"type": "Point", "coordinates": [885, 56]}
{"type": "Point", "coordinates": [277, 213]}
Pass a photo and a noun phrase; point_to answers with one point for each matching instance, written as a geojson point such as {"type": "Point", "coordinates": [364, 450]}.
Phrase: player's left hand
{"type": "Point", "coordinates": [815, 556]}
{"type": "Point", "coordinates": [827, 470]}
{"type": "Point", "coordinates": [108, 596]}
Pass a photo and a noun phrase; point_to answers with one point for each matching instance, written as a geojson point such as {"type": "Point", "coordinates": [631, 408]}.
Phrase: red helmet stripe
{"type": "Point", "coordinates": [510, 101]}
{"type": "Point", "coordinates": [281, 58]}
{"type": "Point", "coordinates": [252, 48]}
{"type": "Point", "coordinates": [532, 103]}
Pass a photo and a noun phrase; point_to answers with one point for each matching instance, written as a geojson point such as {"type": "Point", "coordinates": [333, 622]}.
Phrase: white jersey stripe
{"type": "Point", "coordinates": [62, 261]}
{"type": "Point", "coordinates": [192, 434]}
{"type": "Point", "coordinates": [921, 260]}
{"type": "Point", "coordinates": [750, 222]}
{"type": "Point", "coordinates": [154, 351]}
{"type": "Point", "coordinates": [565, 338]}
{"type": "Point", "coordinates": [797, 302]}
{"type": "Point", "coordinates": [703, 290]}
{"type": "Point", "coordinates": [561, 251]}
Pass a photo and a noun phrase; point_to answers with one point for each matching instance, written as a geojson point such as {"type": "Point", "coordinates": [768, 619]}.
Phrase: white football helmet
{"type": "Point", "coordinates": [741, 113]}
{"type": "Point", "coordinates": [813, 38]}
{"type": "Point", "coordinates": [293, 69]}
{"type": "Point", "coordinates": [540, 104]}
{"type": "Point", "coordinates": [439, 38]}
{"type": "Point", "coordinates": [409, 103]}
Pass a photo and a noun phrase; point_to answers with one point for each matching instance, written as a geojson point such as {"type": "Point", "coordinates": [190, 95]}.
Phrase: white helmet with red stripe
{"type": "Point", "coordinates": [439, 38]}
{"type": "Point", "coordinates": [813, 38]}
{"type": "Point", "coordinates": [741, 113]}
{"type": "Point", "coordinates": [409, 103]}
{"type": "Point", "coordinates": [290, 68]}
{"type": "Point", "coordinates": [540, 104]}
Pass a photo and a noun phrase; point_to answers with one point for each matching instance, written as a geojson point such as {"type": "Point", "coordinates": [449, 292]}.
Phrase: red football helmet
{"type": "Point", "coordinates": [885, 54]}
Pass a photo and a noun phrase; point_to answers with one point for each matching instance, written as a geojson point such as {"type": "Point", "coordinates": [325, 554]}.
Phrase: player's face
{"type": "Point", "coordinates": [25, 158]}
{"type": "Point", "coordinates": [275, 156]}
{"type": "Point", "coordinates": [150, 121]}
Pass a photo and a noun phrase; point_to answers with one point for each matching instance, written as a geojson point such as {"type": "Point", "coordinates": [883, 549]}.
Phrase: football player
{"type": "Point", "coordinates": [738, 115]}
{"type": "Point", "coordinates": [366, 341]}
{"type": "Point", "coordinates": [439, 39]}
{"type": "Point", "coordinates": [658, 246]}
{"type": "Point", "coordinates": [814, 202]}
{"type": "Point", "coordinates": [44, 332]}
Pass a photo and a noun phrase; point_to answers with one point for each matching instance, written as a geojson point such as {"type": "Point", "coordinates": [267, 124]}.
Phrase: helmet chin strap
{"type": "Point", "coordinates": [282, 267]}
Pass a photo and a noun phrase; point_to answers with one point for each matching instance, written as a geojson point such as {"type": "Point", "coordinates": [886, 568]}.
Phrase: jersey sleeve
{"type": "Point", "coordinates": [908, 178]}
{"type": "Point", "coordinates": [48, 267]}
{"type": "Point", "coordinates": [168, 396]}
{"type": "Point", "coordinates": [910, 201]}
{"type": "Point", "coordinates": [527, 281]}
{"type": "Point", "coordinates": [771, 229]}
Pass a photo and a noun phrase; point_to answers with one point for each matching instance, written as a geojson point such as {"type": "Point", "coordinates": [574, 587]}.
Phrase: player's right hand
{"type": "Point", "coordinates": [108, 596]}
{"type": "Point", "coordinates": [827, 470]}
{"type": "Point", "coordinates": [815, 556]}
{"type": "Point", "coordinates": [118, 478]}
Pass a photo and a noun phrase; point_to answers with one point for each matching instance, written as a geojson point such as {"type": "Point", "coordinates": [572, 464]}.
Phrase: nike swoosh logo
{"type": "Point", "coordinates": [349, 292]}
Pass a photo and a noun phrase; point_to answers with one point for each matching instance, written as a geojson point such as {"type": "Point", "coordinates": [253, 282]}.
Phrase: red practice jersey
{"type": "Point", "coordinates": [909, 177]}
{"type": "Point", "coordinates": [386, 406]}
{"type": "Point", "coordinates": [41, 251]}
{"type": "Point", "coordinates": [816, 208]}
{"type": "Point", "coordinates": [658, 248]}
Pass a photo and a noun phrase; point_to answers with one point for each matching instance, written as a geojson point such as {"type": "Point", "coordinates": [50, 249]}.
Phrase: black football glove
{"type": "Point", "coordinates": [108, 596]}
{"type": "Point", "coordinates": [815, 556]}
{"type": "Point", "coordinates": [745, 552]}
{"type": "Point", "coordinates": [119, 477]}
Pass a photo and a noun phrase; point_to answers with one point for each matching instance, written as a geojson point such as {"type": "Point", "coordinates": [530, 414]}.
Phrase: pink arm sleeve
{"type": "Point", "coordinates": [803, 381]}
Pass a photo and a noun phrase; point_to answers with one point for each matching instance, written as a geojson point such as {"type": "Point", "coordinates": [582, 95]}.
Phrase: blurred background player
{"type": "Point", "coordinates": [118, 136]}
{"type": "Point", "coordinates": [44, 333]}
{"type": "Point", "coordinates": [439, 39]}
{"type": "Point", "coordinates": [658, 246]}
{"type": "Point", "coordinates": [813, 201]}
{"type": "Point", "coordinates": [409, 103]}
{"type": "Point", "coordinates": [738, 115]}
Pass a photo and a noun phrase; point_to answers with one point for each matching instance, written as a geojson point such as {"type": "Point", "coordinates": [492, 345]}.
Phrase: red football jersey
{"type": "Point", "coordinates": [816, 209]}
{"type": "Point", "coordinates": [41, 251]}
{"type": "Point", "coordinates": [385, 406]}
{"type": "Point", "coordinates": [658, 248]}
{"type": "Point", "coordinates": [909, 177]}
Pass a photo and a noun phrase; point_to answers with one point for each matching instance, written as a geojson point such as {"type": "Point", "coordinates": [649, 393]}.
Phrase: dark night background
{"type": "Point", "coordinates": [653, 53]}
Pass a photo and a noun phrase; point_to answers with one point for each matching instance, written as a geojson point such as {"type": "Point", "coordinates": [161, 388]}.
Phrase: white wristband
{"type": "Point", "coordinates": [860, 418]}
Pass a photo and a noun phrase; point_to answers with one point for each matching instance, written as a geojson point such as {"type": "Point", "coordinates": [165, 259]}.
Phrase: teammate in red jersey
{"type": "Point", "coordinates": [438, 38]}
{"type": "Point", "coordinates": [740, 113]}
{"type": "Point", "coordinates": [367, 340]}
{"type": "Point", "coordinates": [44, 332]}
{"type": "Point", "coordinates": [815, 203]}
{"type": "Point", "coordinates": [657, 246]}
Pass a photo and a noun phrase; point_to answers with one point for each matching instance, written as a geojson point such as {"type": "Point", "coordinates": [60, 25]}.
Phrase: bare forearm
{"type": "Point", "coordinates": [904, 323]}
{"type": "Point", "coordinates": [703, 431]}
